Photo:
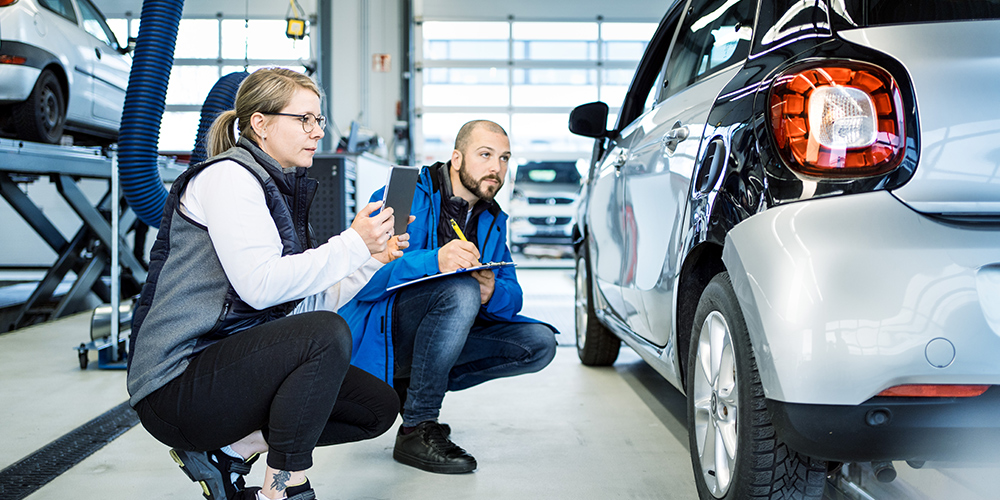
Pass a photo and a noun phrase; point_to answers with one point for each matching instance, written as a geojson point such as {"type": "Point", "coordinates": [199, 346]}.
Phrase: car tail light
{"type": "Point", "coordinates": [4, 3]}
{"type": "Point", "coordinates": [6, 59]}
{"type": "Point", "coordinates": [935, 391]}
{"type": "Point", "coordinates": [838, 120]}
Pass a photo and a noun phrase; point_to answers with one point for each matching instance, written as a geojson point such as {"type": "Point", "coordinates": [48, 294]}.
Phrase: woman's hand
{"type": "Point", "coordinates": [374, 230]}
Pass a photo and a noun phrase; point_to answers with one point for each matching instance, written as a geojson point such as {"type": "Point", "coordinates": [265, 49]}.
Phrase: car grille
{"type": "Point", "coordinates": [550, 201]}
{"type": "Point", "coordinates": [549, 221]}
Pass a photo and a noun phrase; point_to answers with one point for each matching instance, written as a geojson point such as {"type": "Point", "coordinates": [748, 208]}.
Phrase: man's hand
{"type": "Point", "coordinates": [487, 283]}
{"type": "Point", "coordinates": [374, 230]}
{"type": "Point", "coordinates": [394, 247]}
{"type": "Point", "coordinates": [457, 254]}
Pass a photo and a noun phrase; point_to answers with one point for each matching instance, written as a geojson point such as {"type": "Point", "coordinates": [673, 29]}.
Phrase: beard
{"type": "Point", "coordinates": [475, 186]}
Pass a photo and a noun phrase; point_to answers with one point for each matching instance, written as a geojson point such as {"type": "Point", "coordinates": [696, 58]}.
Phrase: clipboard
{"type": "Point", "coordinates": [399, 187]}
{"type": "Point", "coordinates": [488, 265]}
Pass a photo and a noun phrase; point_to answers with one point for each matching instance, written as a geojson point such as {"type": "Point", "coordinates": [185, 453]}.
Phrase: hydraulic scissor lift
{"type": "Point", "coordinates": [89, 252]}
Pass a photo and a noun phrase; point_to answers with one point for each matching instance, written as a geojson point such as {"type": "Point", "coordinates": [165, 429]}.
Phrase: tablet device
{"type": "Point", "coordinates": [398, 194]}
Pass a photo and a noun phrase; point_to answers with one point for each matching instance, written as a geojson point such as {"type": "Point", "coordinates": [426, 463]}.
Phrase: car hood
{"type": "Point", "coordinates": [954, 69]}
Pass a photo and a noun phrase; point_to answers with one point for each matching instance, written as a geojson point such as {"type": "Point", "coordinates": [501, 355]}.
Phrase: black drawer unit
{"type": "Point", "coordinates": [333, 208]}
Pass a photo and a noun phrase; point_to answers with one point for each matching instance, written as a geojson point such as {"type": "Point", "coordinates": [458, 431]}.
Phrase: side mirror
{"type": "Point", "coordinates": [129, 45]}
{"type": "Point", "coordinates": [589, 120]}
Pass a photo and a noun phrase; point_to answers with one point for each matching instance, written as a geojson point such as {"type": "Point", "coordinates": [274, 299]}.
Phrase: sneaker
{"type": "Point", "coordinates": [300, 492]}
{"type": "Point", "coordinates": [213, 470]}
{"type": "Point", "coordinates": [428, 448]}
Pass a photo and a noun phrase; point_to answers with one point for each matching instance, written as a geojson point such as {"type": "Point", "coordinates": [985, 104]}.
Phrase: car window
{"type": "Point", "coordinates": [713, 35]}
{"type": "Point", "coordinates": [549, 173]}
{"type": "Point", "coordinates": [94, 23]}
{"type": "Point", "coordinates": [644, 89]}
{"type": "Point", "coordinates": [62, 7]}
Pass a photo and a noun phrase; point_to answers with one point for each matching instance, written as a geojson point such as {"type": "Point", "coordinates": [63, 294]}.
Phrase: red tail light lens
{"type": "Point", "coordinates": [838, 120]}
{"type": "Point", "coordinates": [935, 391]}
{"type": "Point", "coordinates": [4, 3]}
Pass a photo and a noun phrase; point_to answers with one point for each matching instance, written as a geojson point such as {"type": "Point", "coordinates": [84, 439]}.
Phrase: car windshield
{"type": "Point", "coordinates": [882, 12]}
{"type": "Point", "coordinates": [563, 172]}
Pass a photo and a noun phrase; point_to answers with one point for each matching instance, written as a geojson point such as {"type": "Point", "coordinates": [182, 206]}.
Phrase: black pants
{"type": "Point", "coordinates": [290, 378]}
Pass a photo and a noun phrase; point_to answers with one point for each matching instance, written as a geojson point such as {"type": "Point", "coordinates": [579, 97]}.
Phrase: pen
{"type": "Point", "coordinates": [454, 225]}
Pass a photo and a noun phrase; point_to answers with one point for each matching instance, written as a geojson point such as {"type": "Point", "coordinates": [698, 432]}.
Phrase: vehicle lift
{"type": "Point", "coordinates": [90, 252]}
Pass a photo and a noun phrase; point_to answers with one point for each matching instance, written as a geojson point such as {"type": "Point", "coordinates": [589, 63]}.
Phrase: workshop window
{"type": "Point", "coordinates": [207, 49]}
{"type": "Point", "coordinates": [529, 74]}
{"type": "Point", "coordinates": [197, 39]}
{"type": "Point", "coordinates": [554, 87]}
{"type": "Point", "coordinates": [466, 41]}
{"type": "Point", "coordinates": [466, 87]}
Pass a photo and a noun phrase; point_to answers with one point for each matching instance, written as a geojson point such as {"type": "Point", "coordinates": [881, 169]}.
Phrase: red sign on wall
{"type": "Point", "coordinates": [381, 63]}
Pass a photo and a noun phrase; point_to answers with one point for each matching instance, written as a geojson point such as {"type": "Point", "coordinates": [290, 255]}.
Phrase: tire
{"type": "Point", "coordinates": [595, 344]}
{"type": "Point", "coordinates": [42, 116]}
{"type": "Point", "coordinates": [735, 453]}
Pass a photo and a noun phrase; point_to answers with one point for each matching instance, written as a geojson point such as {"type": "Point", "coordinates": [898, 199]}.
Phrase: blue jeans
{"type": "Point", "coordinates": [441, 345]}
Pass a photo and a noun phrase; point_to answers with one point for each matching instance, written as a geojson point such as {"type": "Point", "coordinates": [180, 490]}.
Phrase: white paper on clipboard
{"type": "Point", "coordinates": [488, 265]}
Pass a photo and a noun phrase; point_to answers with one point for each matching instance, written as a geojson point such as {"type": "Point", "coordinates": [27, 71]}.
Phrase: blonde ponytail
{"type": "Point", "coordinates": [221, 135]}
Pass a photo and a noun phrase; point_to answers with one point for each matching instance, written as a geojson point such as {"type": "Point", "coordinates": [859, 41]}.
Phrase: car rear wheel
{"type": "Point", "coordinates": [734, 451]}
{"type": "Point", "coordinates": [42, 116]}
{"type": "Point", "coordinates": [595, 344]}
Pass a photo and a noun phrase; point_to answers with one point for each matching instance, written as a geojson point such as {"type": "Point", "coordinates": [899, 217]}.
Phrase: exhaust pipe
{"type": "Point", "coordinates": [884, 471]}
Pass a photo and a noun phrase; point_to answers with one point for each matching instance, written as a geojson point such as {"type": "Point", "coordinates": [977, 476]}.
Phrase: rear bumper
{"type": "Point", "coordinates": [16, 82]}
{"type": "Point", "coordinates": [847, 296]}
{"type": "Point", "coordinates": [943, 429]}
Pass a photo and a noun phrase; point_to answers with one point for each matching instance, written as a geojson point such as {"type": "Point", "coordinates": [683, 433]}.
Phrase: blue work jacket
{"type": "Point", "coordinates": [369, 314]}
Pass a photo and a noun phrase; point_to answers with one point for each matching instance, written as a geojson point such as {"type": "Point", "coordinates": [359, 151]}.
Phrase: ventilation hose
{"type": "Point", "coordinates": [221, 98]}
{"type": "Point", "coordinates": [145, 101]}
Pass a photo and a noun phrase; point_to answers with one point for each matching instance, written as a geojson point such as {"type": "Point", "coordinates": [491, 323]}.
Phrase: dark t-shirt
{"type": "Point", "coordinates": [454, 207]}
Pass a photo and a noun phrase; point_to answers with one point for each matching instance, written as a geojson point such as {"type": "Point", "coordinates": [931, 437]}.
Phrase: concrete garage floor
{"type": "Point", "coordinates": [568, 432]}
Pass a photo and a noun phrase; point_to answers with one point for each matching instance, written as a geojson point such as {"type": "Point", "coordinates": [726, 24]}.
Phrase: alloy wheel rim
{"type": "Point", "coordinates": [715, 398]}
{"type": "Point", "coordinates": [581, 302]}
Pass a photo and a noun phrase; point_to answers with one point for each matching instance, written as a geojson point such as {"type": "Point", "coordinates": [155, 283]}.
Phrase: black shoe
{"type": "Point", "coordinates": [428, 448]}
{"type": "Point", "coordinates": [213, 469]}
{"type": "Point", "coordinates": [300, 492]}
{"type": "Point", "coordinates": [247, 494]}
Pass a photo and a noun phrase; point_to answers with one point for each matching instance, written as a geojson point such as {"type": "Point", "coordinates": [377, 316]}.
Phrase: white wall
{"type": "Point", "coordinates": [351, 68]}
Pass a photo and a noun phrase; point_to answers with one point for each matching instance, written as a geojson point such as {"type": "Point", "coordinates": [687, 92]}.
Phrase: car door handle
{"type": "Point", "coordinates": [675, 136]}
{"type": "Point", "coordinates": [98, 52]}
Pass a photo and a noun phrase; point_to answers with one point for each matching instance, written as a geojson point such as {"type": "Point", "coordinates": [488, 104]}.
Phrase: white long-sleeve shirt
{"type": "Point", "coordinates": [230, 201]}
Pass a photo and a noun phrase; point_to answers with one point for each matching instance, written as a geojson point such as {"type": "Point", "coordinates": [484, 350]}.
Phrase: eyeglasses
{"type": "Point", "coordinates": [309, 120]}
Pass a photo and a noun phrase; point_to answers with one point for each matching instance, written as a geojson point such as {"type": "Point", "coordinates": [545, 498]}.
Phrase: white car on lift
{"type": "Point", "coordinates": [61, 70]}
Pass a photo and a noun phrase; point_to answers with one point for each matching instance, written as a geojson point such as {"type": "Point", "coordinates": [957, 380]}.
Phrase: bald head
{"type": "Point", "coordinates": [465, 133]}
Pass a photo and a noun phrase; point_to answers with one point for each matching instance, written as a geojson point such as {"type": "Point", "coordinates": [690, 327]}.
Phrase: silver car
{"type": "Point", "coordinates": [796, 221]}
{"type": "Point", "coordinates": [61, 70]}
{"type": "Point", "coordinates": [543, 204]}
